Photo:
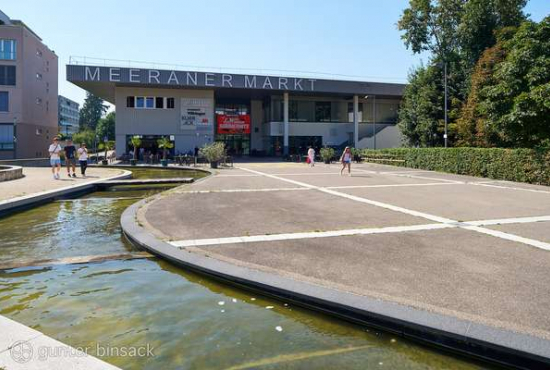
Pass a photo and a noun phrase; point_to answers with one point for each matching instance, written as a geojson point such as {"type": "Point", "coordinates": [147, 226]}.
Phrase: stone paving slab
{"type": "Point", "coordinates": [39, 179]}
{"type": "Point", "coordinates": [215, 215]}
{"type": "Point", "coordinates": [238, 182]}
{"type": "Point", "coordinates": [468, 275]}
{"type": "Point", "coordinates": [462, 202]}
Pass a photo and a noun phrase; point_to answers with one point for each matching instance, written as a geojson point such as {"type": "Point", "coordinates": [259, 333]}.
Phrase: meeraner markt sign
{"type": "Point", "coordinates": [195, 79]}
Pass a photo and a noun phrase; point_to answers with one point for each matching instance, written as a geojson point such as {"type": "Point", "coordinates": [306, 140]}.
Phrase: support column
{"type": "Point", "coordinates": [285, 123]}
{"type": "Point", "coordinates": [355, 121]}
{"type": "Point", "coordinates": [374, 117]}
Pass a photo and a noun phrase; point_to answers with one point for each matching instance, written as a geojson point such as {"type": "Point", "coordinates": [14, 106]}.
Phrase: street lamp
{"type": "Point", "coordinates": [15, 138]}
{"type": "Point", "coordinates": [445, 78]}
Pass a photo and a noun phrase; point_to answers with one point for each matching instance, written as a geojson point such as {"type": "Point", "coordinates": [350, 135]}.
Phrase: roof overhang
{"type": "Point", "coordinates": [103, 81]}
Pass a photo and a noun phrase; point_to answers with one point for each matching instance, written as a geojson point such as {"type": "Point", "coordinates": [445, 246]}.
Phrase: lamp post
{"type": "Point", "coordinates": [15, 138]}
{"type": "Point", "coordinates": [445, 79]}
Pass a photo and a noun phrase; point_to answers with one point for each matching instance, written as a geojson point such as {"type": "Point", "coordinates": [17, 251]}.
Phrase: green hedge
{"type": "Point", "coordinates": [522, 165]}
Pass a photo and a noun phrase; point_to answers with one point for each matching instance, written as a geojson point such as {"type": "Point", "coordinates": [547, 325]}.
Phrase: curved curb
{"type": "Point", "coordinates": [445, 332]}
{"type": "Point", "coordinates": [16, 204]}
{"type": "Point", "coordinates": [8, 173]}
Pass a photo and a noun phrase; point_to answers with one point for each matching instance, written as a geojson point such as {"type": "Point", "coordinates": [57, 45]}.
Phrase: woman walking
{"type": "Point", "coordinates": [346, 160]}
{"type": "Point", "coordinates": [83, 158]}
{"type": "Point", "coordinates": [311, 156]}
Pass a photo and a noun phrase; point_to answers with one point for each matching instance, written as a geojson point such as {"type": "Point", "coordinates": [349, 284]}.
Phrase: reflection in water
{"type": "Point", "coordinates": [191, 321]}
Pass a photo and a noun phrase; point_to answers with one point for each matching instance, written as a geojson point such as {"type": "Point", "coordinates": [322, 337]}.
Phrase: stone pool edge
{"type": "Point", "coordinates": [465, 337]}
{"type": "Point", "coordinates": [14, 204]}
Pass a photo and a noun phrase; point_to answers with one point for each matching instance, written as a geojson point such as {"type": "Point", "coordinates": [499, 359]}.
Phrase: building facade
{"type": "Point", "coordinates": [251, 114]}
{"type": "Point", "coordinates": [28, 92]}
{"type": "Point", "coordinates": [69, 115]}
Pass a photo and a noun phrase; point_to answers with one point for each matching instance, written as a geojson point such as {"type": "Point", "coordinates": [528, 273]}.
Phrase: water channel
{"type": "Point", "coordinates": [189, 321]}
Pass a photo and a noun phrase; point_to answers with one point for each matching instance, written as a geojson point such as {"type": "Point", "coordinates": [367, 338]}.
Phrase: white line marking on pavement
{"type": "Point", "coordinates": [307, 235]}
{"type": "Point", "coordinates": [498, 234]}
{"type": "Point", "coordinates": [386, 186]}
{"type": "Point", "coordinates": [508, 187]}
{"type": "Point", "coordinates": [505, 221]}
{"type": "Point", "coordinates": [243, 175]}
{"type": "Point", "coordinates": [411, 176]}
{"type": "Point", "coordinates": [241, 190]}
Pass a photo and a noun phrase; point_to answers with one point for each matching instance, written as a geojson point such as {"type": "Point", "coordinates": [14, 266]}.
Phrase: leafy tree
{"type": "Point", "coordinates": [135, 141]}
{"type": "Point", "coordinates": [518, 104]}
{"type": "Point", "coordinates": [106, 127]}
{"type": "Point", "coordinates": [91, 112]}
{"type": "Point", "coordinates": [84, 136]}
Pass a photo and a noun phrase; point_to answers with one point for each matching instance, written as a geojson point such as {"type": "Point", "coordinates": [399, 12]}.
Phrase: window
{"type": "Point", "coordinates": [38, 52]}
{"type": "Point", "coordinates": [130, 101]}
{"type": "Point", "coordinates": [6, 137]}
{"type": "Point", "coordinates": [170, 103]}
{"type": "Point", "coordinates": [7, 75]}
{"type": "Point", "coordinates": [159, 102]}
{"type": "Point", "coordinates": [38, 76]}
{"type": "Point", "coordinates": [140, 102]}
{"type": "Point", "coordinates": [4, 101]}
{"type": "Point", "coordinates": [38, 101]}
{"type": "Point", "coordinates": [149, 102]}
{"type": "Point", "coordinates": [322, 111]}
{"type": "Point", "coordinates": [8, 49]}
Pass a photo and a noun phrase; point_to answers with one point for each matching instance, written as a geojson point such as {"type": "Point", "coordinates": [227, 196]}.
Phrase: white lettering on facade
{"type": "Point", "coordinates": [250, 82]}
{"type": "Point", "coordinates": [173, 77]}
{"type": "Point", "coordinates": [154, 74]}
{"type": "Point", "coordinates": [283, 82]}
{"type": "Point", "coordinates": [267, 82]}
{"type": "Point", "coordinates": [226, 79]}
{"type": "Point", "coordinates": [192, 78]}
{"type": "Point", "coordinates": [114, 74]}
{"type": "Point", "coordinates": [209, 79]}
{"type": "Point", "coordinates": [94, 76]}
{"type": "Point", "coordinates": [312, 84]}
{"type": "Point", "coordinates": [298, 84]}
{"type": "Point", "coordinates": [134, 75]}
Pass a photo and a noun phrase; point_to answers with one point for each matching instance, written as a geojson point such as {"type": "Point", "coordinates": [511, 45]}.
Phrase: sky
{"type": "Point", "coordinates": [346, 37]}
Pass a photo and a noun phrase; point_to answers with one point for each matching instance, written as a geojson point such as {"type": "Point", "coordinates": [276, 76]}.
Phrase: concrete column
{"type": "Point", "coordinates": [285, 122]}
{"type": "Point", "coordinates": [355, 121]}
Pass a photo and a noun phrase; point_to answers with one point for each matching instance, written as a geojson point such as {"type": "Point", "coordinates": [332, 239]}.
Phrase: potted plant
{"type": "Point", "coordinates": [326, 154]}
{"type": "Point", "coordinates": [136, 142]}
{"type": "Point", "coordinates": [164, 143]}
{"type": "Point", "coordinates": [108, 145]}
{"type": "Point", "coordinates": [213, 153]}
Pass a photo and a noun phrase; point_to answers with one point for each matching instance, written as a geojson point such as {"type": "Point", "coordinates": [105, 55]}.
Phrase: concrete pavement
{"type": "Point", "coordinates": [469, 248]}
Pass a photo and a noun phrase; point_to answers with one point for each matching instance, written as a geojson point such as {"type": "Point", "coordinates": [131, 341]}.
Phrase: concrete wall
{"type": "Point", "coordinates": [132, 121]}
{"type": "Point", "coordinates": [256, 133]}
{"type": "Point", "coordinates": [332, 133]}
{"type": "Point", "coordinates": [388, 136]}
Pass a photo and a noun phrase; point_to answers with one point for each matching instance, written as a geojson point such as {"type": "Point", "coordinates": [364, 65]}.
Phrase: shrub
{"type": "Point", "coordinates": [326, 154]}
{"type": "Point", "coordinates": [522, 165]}
{"type": "Point", "coordinates": [213, 152]}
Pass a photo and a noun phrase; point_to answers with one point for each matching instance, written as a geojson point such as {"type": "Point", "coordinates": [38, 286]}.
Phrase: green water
{"type": "Point", "coordinates": [149, 173]}
{"type": "Point", "coordinates": [189, 321]}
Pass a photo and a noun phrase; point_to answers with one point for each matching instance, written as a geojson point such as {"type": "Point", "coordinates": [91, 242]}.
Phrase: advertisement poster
{"type": "Point", "coordinates": [233, 124]}
{"type": "Point", "coordinates": [194, 114]}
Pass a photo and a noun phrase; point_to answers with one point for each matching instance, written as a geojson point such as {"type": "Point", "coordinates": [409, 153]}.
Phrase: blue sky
{"type": "Point", "coordinates": [351, 37]}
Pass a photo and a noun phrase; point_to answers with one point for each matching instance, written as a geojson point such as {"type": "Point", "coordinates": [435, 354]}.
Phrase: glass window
{"type": "Point", "coordinates": [159, 102]}
{"type": "Point", "coordinates": [8, 49]}
{"type": "Point", "coordinates": [140, 102]}
{"type": "Point", "coordinates": [150, 102]}
{"type": "Point", "coordinates": [6, 137]}
{"type": "Point", "coordinates": [170, 103]}
{"type": "Point", "coordinates": [322, 111]}
{"type": "Point", "coordinates": [7, 75]}
{"type": "Point", "coordinates": [4, 101]}
{"type": "Point", "coordinates": [130, 101]}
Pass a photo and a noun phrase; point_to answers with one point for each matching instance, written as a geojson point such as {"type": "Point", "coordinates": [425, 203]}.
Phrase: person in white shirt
{"type": "Point", "coordinates": [55, 159]}
{"type": "Point", "coordinates": [311, 156]}
{"type": "Point", "coordinates": [346, 160]}
{"type": "Point", "coordinates": [83, 158]}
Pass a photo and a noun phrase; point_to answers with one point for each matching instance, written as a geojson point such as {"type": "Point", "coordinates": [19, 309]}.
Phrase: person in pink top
{"type": "Point", "coordinates": [346, 160]}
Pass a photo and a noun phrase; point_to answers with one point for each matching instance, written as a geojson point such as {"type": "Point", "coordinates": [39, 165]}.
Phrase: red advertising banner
{"type": "Point", "coordinates": [233, 124]}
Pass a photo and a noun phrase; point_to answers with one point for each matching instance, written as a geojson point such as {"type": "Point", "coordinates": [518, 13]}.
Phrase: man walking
{"type": "Point", "coordinates": [70, 152]}
{"type": "Point", "coordinates": [55, 160]}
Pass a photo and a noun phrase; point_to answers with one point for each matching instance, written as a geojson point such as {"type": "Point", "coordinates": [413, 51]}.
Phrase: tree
{"type": "Point", "coordinates": [518, 104]}
{"type": "Point", "coordinates": [91, 112]}
{"type": "Point", "coordinates": [85, 136]}
{"type": "Point", "coordinates": [106, 127]}
{"type": "Point", "coordinates": [164, 143]}
{"type": "Point", "coordinates": [136, 143]}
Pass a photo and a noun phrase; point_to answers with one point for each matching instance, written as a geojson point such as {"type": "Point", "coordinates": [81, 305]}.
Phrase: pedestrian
{"type": "Point", "coordinates": [55, 160]}
{"type": "Point", "coordinates": [70, 153]}
{"type": "Point", "coordinates": [83, 158]}
{"type": "Point", "coordinates": [311, 156]}
{"type": "Point", "coordinates": [346, 160]}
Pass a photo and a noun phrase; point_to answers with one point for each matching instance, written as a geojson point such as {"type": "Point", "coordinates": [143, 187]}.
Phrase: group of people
{"type": "Point", "coordinates": [345, 159]}
{"type": "Point", "coordinates": [70, 152]}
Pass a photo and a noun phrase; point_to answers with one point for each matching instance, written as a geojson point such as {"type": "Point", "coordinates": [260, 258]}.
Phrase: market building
{"type": "Point", "coordinates": [251, 114]}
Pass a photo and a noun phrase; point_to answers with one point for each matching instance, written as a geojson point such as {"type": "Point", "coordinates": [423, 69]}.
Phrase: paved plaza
{"type": "Point", "coordinates": [467, 247]}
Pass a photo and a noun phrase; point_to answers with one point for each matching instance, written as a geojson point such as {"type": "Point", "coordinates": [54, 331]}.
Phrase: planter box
{"type": "Point", "coordinates": [213, 164]}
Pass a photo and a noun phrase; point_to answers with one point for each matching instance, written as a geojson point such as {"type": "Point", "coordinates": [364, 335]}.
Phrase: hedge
{"type": "Point", "coordinates": [521, 165]}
